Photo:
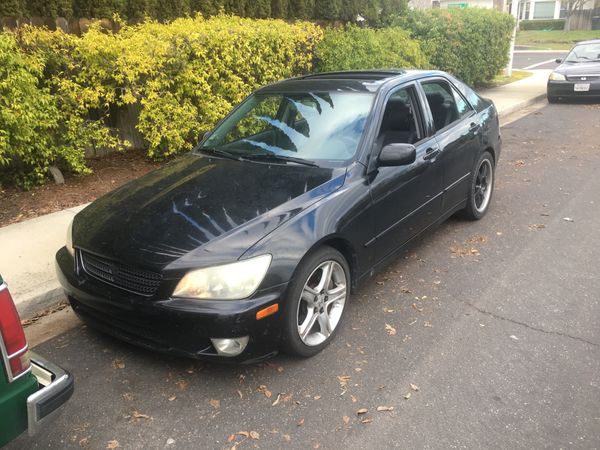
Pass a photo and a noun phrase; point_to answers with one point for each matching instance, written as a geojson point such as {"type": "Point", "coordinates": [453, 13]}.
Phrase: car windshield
{"type": "Point", "coordinates": [584, 53]}
{"type": "Point", "coordinates": [313, 126]}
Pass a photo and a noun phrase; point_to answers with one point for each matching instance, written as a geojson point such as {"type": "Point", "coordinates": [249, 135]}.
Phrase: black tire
{"type": "Point", "coordinates": [308, 269]}
{"type": "Point", "coordinates": [475, 208]}
{"type": "Point", "coordinates": [552, 99]}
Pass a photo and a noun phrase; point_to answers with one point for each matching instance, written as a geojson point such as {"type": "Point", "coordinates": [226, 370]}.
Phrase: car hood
{"type": "Point", "coordinates": [198, 211]}
{"type": "Point", "coordinates": [579, 69]}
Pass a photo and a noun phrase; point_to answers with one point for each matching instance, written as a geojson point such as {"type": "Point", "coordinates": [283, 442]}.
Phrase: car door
{"type": "Point", "coordinates": [457, 130]}
{"type": "Point", "coordinates": [405, 199]}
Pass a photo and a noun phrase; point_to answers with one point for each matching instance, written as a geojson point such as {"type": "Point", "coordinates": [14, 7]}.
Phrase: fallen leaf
{"type": "Point", "coordinates": [519, 163]}
{"type": "Point", "coordinates": [346, 419]}
{"type": "Point", "coordinates": [407, 396]}
{"type": "Point", "coordinates": [254, 435]}
{"type": "Point", "coordinates": [231, 437]}
{"type": "Point", "coordinates": [128, 396]}
{"type": "Point", "coordinates": [240, 394]}
{"type": "Point", "coordinates": [390, 329]}
{"type": "Point", "coordinates": [112, 444]}
{"type": "Point", "coordinates": [317, 397]}
{"type": "Point", "coordinates": [414, 305]}
{"type": "Point", "coordinates": [367, 420]}
{"type": "Point", "coordinates": [267, 393]}
{"type": "Point", "coordinates": [343, 379]}
{"type": "Point", "coordinates": [118, 364]}
{"type": "Point", "coordinates": [280, 369]}
{"type": "Point", "coordinates": [276, 402]}
{"type": "Point", "coordinates": [172, 397]}
{"type": "Point", "coordinates": [190, 370]}
{"type": "Point", "coordinates": [84, 442]}
{"type": "Point", "coordinates": [414, 387]}
{"type": "Point", "coordinates": [136, 415]}
{"type": "Point", "coordinates": [286, 437]}
{"type": "Point", "coordinates": [512, 336]}
{"type": "Point", "coordinates": [427, 324]}
{"type": "Point", "coordinates": [568, 219]}
{"type": "Point", "coordinates": [353, 398]}
{"type": "Point", "coordinates": [362, 411]}
{"type": "Point", "coordinates": [536, 226]}
{"type": "Point", "coordinates": [182, 384]}
{"type": "Point", "coordinates": [385, 408]}
{"type": "Point", "coordinates": [243, 433]}
{"type": "Point", "coordinates": [300, 422]}
{"type": "Point", "coordinates": [215, 403]}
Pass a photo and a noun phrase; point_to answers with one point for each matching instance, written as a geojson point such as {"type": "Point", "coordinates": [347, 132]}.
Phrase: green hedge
{"type": "Point", "coordinates": [367, 48]}
{"type": "Point", "coordinates": [472, 43]}
{"type": "Point", "coordinates": [554, 24]}
{"type": "Point", "coordinates": [185, 76]}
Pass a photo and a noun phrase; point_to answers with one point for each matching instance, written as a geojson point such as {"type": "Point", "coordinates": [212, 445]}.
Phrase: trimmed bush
{"type": "Point", "coordinates": [184, 76]}
{"type": "Point", "coordinates": [472, 43]}
{"type": "Point", "coordinates": [31, 128]}
{"type": "Point", "coordinates": [367, 48]}
{"type": "Point", "coordinates": [554, 24]}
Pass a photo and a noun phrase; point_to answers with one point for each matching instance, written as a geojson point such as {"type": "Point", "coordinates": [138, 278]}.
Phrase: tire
{"type": "Point", "coordinates": [552, 99]}
{"type": "Point", "coordinates": [299, 337]}
{"type": "Point", "coordinates": [481, 187]}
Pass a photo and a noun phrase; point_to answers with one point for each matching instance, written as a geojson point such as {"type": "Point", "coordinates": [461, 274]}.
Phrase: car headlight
{"type": "Point", "coordinates": [555, 76]}
{"type": "Point", "coordinates": [227, 282]}
{"type": "Point", "coordinates": [69, 243]}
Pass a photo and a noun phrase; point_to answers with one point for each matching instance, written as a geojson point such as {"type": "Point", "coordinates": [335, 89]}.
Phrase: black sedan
{"type": "Point", "coordinates": [252, 243]}
{"type": "Point", "coordinates": [578, 75]}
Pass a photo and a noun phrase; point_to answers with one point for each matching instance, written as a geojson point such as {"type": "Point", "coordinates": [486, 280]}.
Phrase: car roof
{"type": "Point", "coordinates": [350, 80]}
{"type": "Point", "coordinates": [591, 41]}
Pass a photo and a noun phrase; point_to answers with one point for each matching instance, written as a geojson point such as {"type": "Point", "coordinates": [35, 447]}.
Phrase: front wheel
{"type": "Point", "coordinates": [481, 188]}
{"type": "Point", "coordinates": [318, 295]}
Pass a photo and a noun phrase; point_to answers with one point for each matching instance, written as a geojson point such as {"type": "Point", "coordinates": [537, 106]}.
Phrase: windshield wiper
{"type": "Point", "coordinates": [283, 158]}
{"type": "Point", "coordinates": [219, 152]}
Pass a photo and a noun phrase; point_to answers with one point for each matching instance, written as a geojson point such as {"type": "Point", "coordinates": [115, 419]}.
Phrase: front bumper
{"type": "Point", "coordinates": [566, 89]}
{"type": "Point", "coordinates": [175, 326]}
{"type": "Point", "coordinates": [44, 405]}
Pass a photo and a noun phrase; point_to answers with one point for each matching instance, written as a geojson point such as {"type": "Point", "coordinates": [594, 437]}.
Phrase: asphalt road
{"type": "Point", "coordinates": [494, 323]}
{"type": "Point", "coordinates": [537, 60]}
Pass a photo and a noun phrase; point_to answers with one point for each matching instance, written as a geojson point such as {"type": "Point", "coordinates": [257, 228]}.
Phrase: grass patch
{"type": "Point", "coordinates": [554, 40]}
{"type": "Point", "coordinates": [501, 79]}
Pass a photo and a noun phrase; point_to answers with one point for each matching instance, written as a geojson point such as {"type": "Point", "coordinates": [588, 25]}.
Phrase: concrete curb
{"type": "Point", "coordinates": [525, 103]}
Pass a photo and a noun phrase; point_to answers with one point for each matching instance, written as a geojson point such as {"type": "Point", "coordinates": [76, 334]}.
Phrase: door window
{"type": "Point", "coordinates": [442, 103]}
{"type": "Point", "coordinates": [399, 124]}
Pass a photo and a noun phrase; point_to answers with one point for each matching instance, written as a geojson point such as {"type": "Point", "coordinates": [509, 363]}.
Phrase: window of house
{"type": "Point", "coordinates": [544, 10]}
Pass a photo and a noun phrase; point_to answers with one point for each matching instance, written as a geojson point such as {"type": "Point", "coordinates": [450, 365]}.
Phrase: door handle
{"type": "Point", "coordinates": [431, 153]}
{"type": "Point", "coordinates": [474, 127]}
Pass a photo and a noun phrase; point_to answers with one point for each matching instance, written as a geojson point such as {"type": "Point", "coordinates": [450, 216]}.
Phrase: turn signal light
{"type": "Point", "coordinates": [269, 310]}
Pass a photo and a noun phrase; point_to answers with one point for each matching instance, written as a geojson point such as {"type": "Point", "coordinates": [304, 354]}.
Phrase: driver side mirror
{"type": "Point", "coordinates": [559, 60]}
{"type": "Point", "coordinates": [397, 155]}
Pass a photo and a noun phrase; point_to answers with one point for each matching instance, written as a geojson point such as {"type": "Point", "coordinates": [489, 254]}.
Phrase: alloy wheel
{"type": "Point", "coordinates": [482, 191]}
{"type": "Point", "coordinates": [321, 303]}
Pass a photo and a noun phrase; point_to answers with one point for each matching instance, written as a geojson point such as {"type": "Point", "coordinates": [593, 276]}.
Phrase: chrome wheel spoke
{"type": "Point", "coordinates": [324, 324]}
{"type": "Point", "coordinates": [308, 324]}
{"type": "Point", "coordinates": [325, 277]}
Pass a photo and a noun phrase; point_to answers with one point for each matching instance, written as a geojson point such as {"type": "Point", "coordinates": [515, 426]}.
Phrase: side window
{"type": "Point", "coordinates": [441, 103]}
{"type": "Point", "coordinates": [399, 124]}
{"type": "Point", "coordinates": [461, 105]}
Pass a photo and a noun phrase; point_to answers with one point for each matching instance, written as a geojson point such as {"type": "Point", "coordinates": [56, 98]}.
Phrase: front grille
{"type": "Point", "coordinates": [593, 77]}
{"type": "Point", "coordinates": [128, 278]}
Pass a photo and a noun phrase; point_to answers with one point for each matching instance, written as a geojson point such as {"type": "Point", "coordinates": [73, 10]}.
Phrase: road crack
{"type": "Point", "coordinates": [526, 325]}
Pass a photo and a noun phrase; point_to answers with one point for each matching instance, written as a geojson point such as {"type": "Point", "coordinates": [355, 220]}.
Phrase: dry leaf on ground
{"type": "Point", "coordinates": [414, 387]}
{"type": "Point", "coordinates": [112, 444]}
{"type": "Point", "coordinates": [362, 411]}
{"type": "Point", "coordinates": [215, 403]}
{"type": "Point", "coordinates": [390, 329]}
{"type": "Point", "coordinates": [385, 408]}
{"type": "Point", "coordinates": [254, 435]}
{"type": "Point", "coordinates": [118, 364]}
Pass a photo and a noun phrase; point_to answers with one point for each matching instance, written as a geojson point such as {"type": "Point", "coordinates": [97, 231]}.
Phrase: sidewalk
{"type": "Point", "coordinates": [29, 247]}
{"type": "Point", "coordinates": [515, 96]}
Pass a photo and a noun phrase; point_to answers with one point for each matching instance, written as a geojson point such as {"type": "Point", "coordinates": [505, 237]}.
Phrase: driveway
{"type": "Point", "coordinates": [483, 335]}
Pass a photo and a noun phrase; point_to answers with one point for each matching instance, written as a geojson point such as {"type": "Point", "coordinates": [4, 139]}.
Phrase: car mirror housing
{"type": "Point", "coordinates": [558, 60]}
{"type": "Point", "coordinates": [397, 155]}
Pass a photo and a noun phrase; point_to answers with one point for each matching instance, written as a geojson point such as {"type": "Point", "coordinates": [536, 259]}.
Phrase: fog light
{"type": "Point", "coordinates": [230, 347]}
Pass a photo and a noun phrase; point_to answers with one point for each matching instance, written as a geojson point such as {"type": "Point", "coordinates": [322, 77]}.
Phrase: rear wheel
{"type": "Point", "coordinates": [317, 301]}
{"type": "Point", "coordinates": [482, 186]}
